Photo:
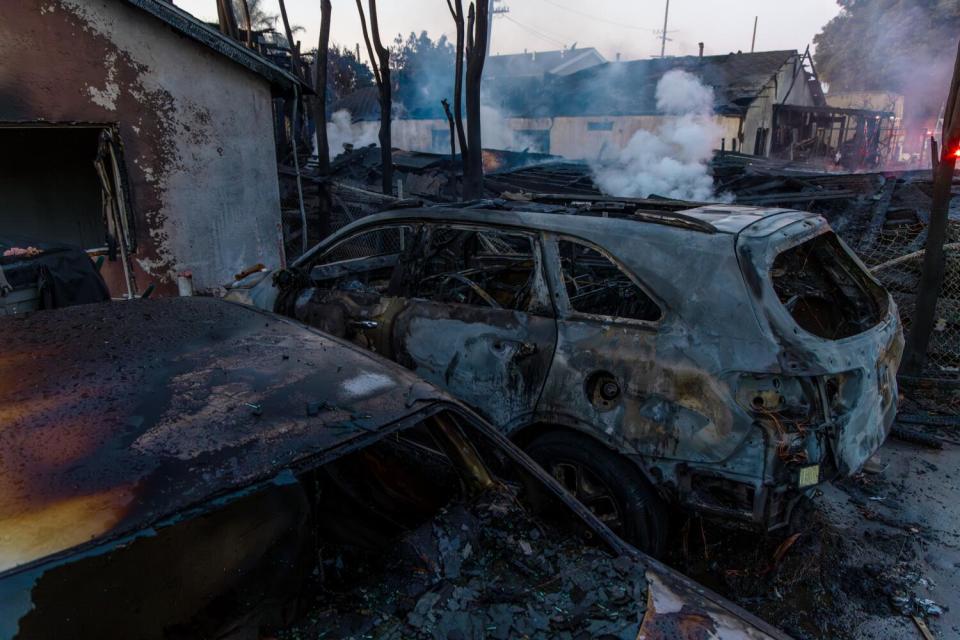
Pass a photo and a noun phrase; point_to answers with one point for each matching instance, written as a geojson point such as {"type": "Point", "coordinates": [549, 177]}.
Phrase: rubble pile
{"type": "Point", "coordinates": [486, 569]}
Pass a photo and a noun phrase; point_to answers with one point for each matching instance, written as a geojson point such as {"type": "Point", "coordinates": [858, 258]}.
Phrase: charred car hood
{"type": "Point", "coordinates": [117, 415]}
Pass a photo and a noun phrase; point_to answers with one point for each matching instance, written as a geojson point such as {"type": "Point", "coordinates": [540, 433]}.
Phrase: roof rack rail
{"type": "Point", "coordinates": [653, 210]}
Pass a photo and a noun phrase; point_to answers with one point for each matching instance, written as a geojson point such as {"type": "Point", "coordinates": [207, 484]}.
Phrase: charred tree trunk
{"type": "Point", "coordinates": [934, 260]}
{"type": "Point", "coordinates": [456, 10]}
{"type": "Point", "coordinates": [380, 63]}
{"type": "Point", "coordinates": [453, 141]}
{"type": "Point", "coordinates": [477, 25]}
{"type": "Point", "coordinates": [320, 87]}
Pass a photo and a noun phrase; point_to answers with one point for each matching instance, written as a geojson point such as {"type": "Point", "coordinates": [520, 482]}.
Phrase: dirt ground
{"type": "Point", "coordinates": [878, 550]}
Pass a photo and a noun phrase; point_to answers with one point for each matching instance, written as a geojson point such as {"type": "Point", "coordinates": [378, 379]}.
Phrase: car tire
{"type": "Point", "coordinates": [575, 460]}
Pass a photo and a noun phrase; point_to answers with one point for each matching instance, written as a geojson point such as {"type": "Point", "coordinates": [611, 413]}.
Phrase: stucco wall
{"type": "Point", "coordinates": [569, 137]}
{"type": "Point", "coordinates": [196, 129]}
{"type": "Point", "coordinates": [777, 91]}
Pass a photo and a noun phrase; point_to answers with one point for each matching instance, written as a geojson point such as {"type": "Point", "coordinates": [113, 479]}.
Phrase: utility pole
{"type": "Point", "coordinates": [753, 40]}
{"type": "Point", "coordinates": [934, 259]}
{"type": "Point", "coordinates": [495, 9]}
{"type": "Point", "coordinates": [663, 36]}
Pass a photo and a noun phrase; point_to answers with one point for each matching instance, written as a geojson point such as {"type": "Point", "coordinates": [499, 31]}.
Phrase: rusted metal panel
{"type": "Point", "coordinates": [116, 415]}
{"type": "Point", "coordinates": [676, 614]}
{"type": "Point", "coordinates": [495, 360]}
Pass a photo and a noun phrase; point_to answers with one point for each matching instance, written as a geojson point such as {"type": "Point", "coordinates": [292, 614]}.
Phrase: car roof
{"type": "Point", "coordinates": [597, 217]}
{"type": "Point", "coordinates": [117, 415]}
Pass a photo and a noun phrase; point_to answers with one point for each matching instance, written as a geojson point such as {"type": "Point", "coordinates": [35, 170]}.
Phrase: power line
{"type": "Point", "coordinates": [591, 16]}
{"type": "Point", "coordinates": [539, 34]}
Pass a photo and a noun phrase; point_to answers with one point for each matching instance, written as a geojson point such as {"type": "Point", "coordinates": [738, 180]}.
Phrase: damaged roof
{"type": "Point", "coordinates": [189, 26]}
{"type": "Point", "coordinates": [117, 416]}
{"type": "Point", "coordinates": [736, 78]}
{"type": "Point", "coordinates": [540, 63]}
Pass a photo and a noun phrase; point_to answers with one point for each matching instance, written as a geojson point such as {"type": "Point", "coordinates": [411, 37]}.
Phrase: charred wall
{"type": "Point", "coordinates": [196, 129]}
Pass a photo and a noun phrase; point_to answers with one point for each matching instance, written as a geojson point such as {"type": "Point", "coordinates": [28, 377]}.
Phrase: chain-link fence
{"type": "Point", "coordinates": [895, 258]}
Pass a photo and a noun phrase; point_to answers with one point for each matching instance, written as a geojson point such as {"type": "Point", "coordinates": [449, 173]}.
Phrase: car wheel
{"type": "Point", "coordinates": [608, 484]}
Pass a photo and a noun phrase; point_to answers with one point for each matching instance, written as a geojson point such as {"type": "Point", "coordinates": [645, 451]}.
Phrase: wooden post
{"type": "Point", "coordinates": [294, 52]}
{"type": "Point", "coordinates": [246, 19]}
{"type": "Point", "coordinates": [934, 259]}
{"type": "Point", "coordinates": [227, 19]}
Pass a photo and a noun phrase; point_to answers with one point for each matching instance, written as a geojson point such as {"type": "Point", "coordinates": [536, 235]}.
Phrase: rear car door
{"type": "Point", "coordinates": [604, 375]}
{"type": "Point", "coordinates": [478, 319]}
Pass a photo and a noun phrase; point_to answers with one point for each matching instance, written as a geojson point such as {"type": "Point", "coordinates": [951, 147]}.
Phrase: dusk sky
{"type": "Point", "coordinates": [613, 26]}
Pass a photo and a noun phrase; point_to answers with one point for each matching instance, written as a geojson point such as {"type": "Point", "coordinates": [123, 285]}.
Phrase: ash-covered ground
{"type": "Point", "coordinates": [481, 570]}
{"type": "Point", "coordinates": [878, 550]}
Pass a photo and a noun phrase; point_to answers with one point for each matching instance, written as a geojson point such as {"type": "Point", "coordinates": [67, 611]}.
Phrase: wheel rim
{"type": "Point", "coordinates": [592, 492]}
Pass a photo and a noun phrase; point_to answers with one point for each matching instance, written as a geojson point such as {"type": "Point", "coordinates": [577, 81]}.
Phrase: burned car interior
{"type": "Point", "coordinates": [825, 291]}
{"type": "Point", "coordinates": [469, 266]}
{"type": "Point", "coordinates": [596, 285]}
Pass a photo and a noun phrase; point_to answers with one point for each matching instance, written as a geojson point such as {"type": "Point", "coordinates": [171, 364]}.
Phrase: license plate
{"type": "Point", "coordinates": [809, 476]}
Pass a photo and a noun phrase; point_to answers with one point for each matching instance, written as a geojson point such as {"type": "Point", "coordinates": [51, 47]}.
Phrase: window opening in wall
{"type": "Point", "coordinates": [66, 184]}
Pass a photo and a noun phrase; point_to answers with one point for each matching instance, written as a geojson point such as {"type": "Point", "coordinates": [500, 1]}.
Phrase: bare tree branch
{"type": "Point", "coordinates": [366, 41]}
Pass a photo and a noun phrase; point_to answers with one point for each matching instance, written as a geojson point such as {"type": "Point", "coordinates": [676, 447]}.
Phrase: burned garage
{"type": "Point", "coordinates": [137, 131]}
{"type": "Point", "coordinates": [373, 320]}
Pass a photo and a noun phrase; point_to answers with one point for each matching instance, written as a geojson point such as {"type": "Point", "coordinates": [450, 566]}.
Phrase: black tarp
{"type": "Point", "coordinates": [63, 274]}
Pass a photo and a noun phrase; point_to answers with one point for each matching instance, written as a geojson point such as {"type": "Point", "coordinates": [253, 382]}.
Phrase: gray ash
{"type": "Point", "coordinates": [486, 569]}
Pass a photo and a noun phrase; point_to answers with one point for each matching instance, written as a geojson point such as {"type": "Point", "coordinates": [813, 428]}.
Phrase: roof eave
{"type": "Point", "coordinates": [282, 81]}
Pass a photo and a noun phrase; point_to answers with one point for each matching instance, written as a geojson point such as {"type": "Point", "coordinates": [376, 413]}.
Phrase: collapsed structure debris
{"type": "Point", "coordinates": [483, 569]}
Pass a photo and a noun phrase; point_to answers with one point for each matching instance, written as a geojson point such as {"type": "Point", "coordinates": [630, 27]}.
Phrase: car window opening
{"type": "Point", "coordinates": [597, 286]}
{"type": "Point", "coordinates": [409, 538]}
{"type": "Point", "coordinates": [825, 291]}
{"type": "Point", "coordinates": [481, 268]}
{"type": "Point", "coordinates": [365, 261]}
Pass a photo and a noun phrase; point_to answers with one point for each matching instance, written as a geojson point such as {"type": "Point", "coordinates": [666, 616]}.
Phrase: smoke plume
{"type": "Point", "coordinates": [673, 160]}
{"type": "Point", "coordinates": [341, 130]}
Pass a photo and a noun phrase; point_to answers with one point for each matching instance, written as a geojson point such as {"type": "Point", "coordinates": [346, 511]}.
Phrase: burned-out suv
{"type": "Point", "coordinates": [723, 359]}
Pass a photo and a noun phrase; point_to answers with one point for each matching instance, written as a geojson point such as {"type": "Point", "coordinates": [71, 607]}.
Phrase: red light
{"type": "Point", "coordinates": [956, 154]}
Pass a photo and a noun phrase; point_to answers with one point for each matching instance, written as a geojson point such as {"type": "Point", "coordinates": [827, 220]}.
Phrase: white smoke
{"type": "Point", "coordinates": [497, 132]}
{"type": "Point", "coordinates": [671, 161]}
{"type": "Point", "coordinates": [342, 130]}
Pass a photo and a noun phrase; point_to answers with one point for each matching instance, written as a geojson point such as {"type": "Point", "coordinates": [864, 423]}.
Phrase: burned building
{"type": "Point", "coordinates": [540, 64]}
{"type": "Point", "coordinates": [600, 107]}
{"type": "Point", "coordinates": [132, 129]}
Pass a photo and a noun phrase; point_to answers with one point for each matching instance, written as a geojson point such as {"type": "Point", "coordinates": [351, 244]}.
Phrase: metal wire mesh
{"type": "Point", "coordinates": [896, 258]}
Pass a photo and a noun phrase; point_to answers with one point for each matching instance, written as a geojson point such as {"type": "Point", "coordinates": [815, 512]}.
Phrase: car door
{"type": "Point", "coordinates": [478, 318]}
{"type": "Point", "coordinates": [350, 286]}
{"type": "Point", "coordinates": [605, 377]}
